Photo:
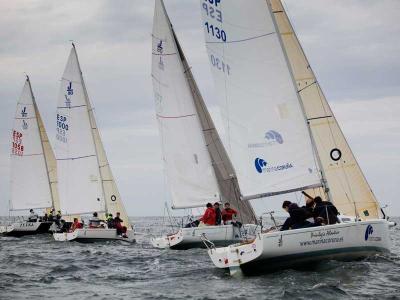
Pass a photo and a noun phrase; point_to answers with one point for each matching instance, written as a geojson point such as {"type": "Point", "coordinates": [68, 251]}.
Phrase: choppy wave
{"type": "Point", "coordinates": [37, 267]}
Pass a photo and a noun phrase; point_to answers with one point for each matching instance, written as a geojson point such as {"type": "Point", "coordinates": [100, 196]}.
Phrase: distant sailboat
{"type": "Point", "coordinates": [33, 167]}
{"type": "Point", "coordinates": [86, 183]}
{"type": "Point", "coordinates": [282, 137]}
{"type": "Point", "coordinates": [196, 165]}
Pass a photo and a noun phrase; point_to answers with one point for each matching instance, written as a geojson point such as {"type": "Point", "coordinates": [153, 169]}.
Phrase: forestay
{"type": "Point", "coordinates": [267, 136]}
{"type": "Point", "coordinates": [348, 187]}
{"type": "Point", "coordinates": [30, 186]}
{"type": "Point", "coordinates": [79, 182]}
{"type": "Point", "coordinates": [187, 163]}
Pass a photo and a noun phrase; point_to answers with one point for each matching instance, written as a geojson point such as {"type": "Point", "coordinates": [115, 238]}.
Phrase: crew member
{"type": "Point", "coordinates": [76, 225]}
{"type": "Point", "coordinates": [209, 217]}
{"type": "Point", "coordinates": [121, 230]}
{"type": "Point", "coordinates": [94, 221]}
{"type": "Point", "coordinates": [32, 216]}
{"type": "Point", "coordinates": [228, 213]}
{"type": "Point", "coordinates": [218, 214]}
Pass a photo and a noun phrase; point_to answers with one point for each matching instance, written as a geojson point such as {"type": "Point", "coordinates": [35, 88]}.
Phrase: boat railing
{"type": "Point", "coordinates": [210, 245]}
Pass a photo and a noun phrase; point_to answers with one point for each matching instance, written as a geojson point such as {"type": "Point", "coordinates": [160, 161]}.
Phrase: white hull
{"type": "Point", "coordinates": [187, 238]}
{"type": "Point", "coordinates": [90, 235]}
{"type": "Point", "coordinates": [25, 228]}
{"type": "Point", "coordinates": [280, 249]}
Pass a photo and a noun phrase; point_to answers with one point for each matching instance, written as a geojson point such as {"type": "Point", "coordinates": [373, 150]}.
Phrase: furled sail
{"type": "Point", "coordinates": [79, 181]}
{"type": "Point", "coordinates": [348, 187]}
{"type": "Point", "coordinates": [187, 163]}
{"type": "Point", "coordinates": [267, 136]}
{"type": "Point", "coordinates": [30, 185]}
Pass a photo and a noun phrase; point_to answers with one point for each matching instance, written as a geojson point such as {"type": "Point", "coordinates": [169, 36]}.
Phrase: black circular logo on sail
{"type": "Point", "coordinates": [113, 198]}
{"type": "Point", "coordinates": [335, 154]}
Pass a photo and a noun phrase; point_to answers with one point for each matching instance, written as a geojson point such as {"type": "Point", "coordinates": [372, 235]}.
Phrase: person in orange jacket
{"type": "Point", "coordinates": [228, 213]}
{"type": "Point", "coordinates": [209, 217]}
{"type": "Point", "coordinates": [76, 225]}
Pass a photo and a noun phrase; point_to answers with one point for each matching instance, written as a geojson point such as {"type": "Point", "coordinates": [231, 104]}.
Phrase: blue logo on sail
{"type": "Point", "coordinates": [160, 47]}
{"type": "Point", "coordinates": [70, 91]}
{"type": "Point", "coordinates": [274, 136]}
{"type": "Point", "coordinates": [368, 232]}
{"type": "Point", "coordinates": [260, 164]}
{"type": "Point", "coordinates": [23, 112]}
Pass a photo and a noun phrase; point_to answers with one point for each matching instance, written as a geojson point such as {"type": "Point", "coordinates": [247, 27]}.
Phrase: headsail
{"type": "Point", "coordinates": [187, 163]}
{"type": "Point", "coordinates": [79, 180]}
{"type": "Point", "coordinates": [348, 187]}
{"type": "Point", "coordinates": [30, 187]}
{"type": "Point", "coordinates": [267, 135]}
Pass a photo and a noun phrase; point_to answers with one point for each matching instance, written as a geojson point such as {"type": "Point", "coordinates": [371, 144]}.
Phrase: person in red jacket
{"type": "Point", "coordinates": [228, 213]}
{"type": "Point", "coordinates": [209, 216]}
{"type": "Point", "coordinates": [76, 225]}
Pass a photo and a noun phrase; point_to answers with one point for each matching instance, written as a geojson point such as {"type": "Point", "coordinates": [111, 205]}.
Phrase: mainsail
{"type": "Point", "coordinates": [33, 174]}
{"type": "Point", "coordinates": [222, 177]}
{"type": "Point", "coordinates": [348, 188]}
{"type": "Point", "coordinates": [268, 139]}
{"type": "Point", "coordinates": [86, 183]}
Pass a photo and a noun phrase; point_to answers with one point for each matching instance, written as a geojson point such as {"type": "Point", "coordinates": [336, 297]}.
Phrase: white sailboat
{"type": "Point", "coordinates": [197, 168]}
{"type": "Point", "coordinates": [33, 167]}
{"type": "Point", "coordinates": [86, 183]}
{"type": "Point", "coordinates": [282, 137]}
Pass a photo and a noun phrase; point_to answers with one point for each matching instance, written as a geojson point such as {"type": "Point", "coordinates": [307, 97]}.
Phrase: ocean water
{"type": "Point", "coordinates": [37, 267]}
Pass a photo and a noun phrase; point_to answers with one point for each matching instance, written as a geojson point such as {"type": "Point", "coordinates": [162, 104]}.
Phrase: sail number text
{"type": "Point", "coordinates": [212, 11]}
{"type": "Point", "coordinates": [17, 147]}
{"type": "Point", "coordinates": [220, 64]}
{"type": "Point", "coordinates": [62, 128]}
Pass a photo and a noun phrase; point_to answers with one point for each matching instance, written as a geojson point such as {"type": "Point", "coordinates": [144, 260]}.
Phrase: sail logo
{"type": "Point", "coordinates": [24, 114]}
{"type": "Point", "coordinates": [160, 48]}
{"type": "Point", "coordinates": [24, 125]}
{"type": "Point", "coordinates": [262, 166]}
{"type": "Point", "coordinates": [272, 137]}
{"type": "Point", "coordinates": [70, 91]}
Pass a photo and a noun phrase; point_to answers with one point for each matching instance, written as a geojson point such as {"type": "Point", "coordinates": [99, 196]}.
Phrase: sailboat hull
{"type": "Point", "coordinates": [19, 229]}
{"type": "Point", "coordinates": [187, 238]}
{"type": "Point", "coordinates": [304, 247]}
{"type": "Point", "coordinates": [91, 235]}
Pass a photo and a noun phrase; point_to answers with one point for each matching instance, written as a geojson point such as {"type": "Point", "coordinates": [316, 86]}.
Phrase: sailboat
{"type": "Point", "coordinates": [196, 165]}
{"type": "Point", "coordinates": [33, 167]}
{"type": "Point", "coordinates": [86, 184]}
{"type": "Point", "coordinates": [282, 137]}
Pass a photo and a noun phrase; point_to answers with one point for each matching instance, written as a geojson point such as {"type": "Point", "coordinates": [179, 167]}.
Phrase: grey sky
{"type": "Point", "coordinates": [353, 46]}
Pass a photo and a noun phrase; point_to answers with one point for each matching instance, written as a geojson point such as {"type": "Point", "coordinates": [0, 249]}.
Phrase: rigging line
{"type": "Point", "coordinates": [78, 157]}
{"type": "Point", "coordinates": [243, 40]}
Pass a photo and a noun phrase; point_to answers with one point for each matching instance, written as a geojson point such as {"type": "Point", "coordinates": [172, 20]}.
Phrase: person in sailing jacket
{"type": "Point", "coordinates": [325, 213]}
{"type": "Point", "coordinates": [209, 217]}
{"type": "Point", "coordinates": [228, 213]}
{"type": "Point", "coordinates": [218, 214]}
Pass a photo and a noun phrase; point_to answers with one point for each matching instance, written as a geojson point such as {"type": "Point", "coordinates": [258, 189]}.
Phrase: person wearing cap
{"type": "Point", "coordinates": [209, 217]}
